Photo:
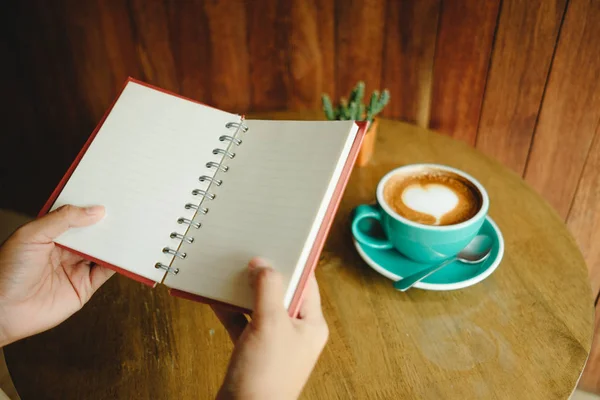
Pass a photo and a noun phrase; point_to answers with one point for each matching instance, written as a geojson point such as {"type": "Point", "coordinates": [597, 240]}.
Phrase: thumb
{"type": "Point", "coordinates": [53, 224]}
{"type": "Point", "coordinates": [268, 290]}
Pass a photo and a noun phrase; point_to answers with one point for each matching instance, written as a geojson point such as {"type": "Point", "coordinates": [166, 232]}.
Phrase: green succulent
{"type": "Point", "coordinates": [353, 108]}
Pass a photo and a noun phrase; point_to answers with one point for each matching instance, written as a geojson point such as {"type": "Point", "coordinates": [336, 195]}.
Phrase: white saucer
{"type": "Point", "coordinates": [393, 265]}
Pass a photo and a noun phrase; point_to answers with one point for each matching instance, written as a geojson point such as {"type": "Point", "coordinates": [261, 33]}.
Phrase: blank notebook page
{"type": "Point", "coordinates": [142, 166]}
{"type": "Point", "coordinates": [271, 204]}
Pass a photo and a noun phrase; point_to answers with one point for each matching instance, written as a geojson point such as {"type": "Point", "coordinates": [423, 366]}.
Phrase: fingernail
{"type": "Point", "coordinates": [258, 262]}
{"type": "Point", "coordinates": [252, 272]}
{"type": "Point", "coordinates": [254, 267]}
{"type": "Point", "coordinates": [94, 210]}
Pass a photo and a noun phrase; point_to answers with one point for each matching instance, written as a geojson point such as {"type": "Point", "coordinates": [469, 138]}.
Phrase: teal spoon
{"type": "Point", "coordinates": [475, 252]}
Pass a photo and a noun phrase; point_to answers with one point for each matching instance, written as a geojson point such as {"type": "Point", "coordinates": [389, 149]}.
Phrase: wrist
{"type": "Point", "coordinates": [5, 338]}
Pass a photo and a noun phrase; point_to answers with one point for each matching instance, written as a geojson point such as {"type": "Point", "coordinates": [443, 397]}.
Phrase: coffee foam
{"type": "Point", "coordinates": [433, 197]}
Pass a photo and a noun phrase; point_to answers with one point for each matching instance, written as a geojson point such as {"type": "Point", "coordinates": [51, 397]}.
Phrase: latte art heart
{"type": "Point", "coordinates": [432, 196]}
{"type": "Point", "coordinates": [431, 199]}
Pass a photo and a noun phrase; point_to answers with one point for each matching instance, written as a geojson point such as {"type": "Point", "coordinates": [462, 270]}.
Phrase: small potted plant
{"type": "Point", "coordinates": [354, 109]}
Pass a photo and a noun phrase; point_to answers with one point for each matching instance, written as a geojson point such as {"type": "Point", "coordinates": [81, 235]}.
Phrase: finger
{"type": "Point", "coordinates": [53, 224]}
{"type": "Point", "coordinates": [234, 322]}
{"type": "Point", "coordinates": [268, 290]}
{"type": "Point", "coordinates": [99, 275]}
{"type": "Point", "coordinates": [68, 258]}
{"type": "Point", "coordinates": [311, 303]}
{"type": "Point", "coordinates": [86, 277]}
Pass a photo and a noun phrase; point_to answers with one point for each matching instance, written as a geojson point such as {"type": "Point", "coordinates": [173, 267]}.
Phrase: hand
{"type": "Point", "coordinates": [41, 284]}
{"type": "Point", "coordinates": [274, 354]}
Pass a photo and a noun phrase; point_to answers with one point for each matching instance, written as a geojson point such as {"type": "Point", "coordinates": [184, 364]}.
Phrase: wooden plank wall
{"type": "Point", "coordinates": [518, 79]}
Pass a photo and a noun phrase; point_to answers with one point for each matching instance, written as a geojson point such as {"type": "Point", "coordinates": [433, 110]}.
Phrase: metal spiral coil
{"type": "Point", "coordinates": [212, 164]}
{"type": "Point", "coordinates": [234, 140]}
{"type": "Point", "coordinates": [173, 271]}
{"type": "Point", "coordinates": [204, 193]}
{"type": "Point", "coordinates": [224, 152]}
{"type": "Point", "coordinates": [210, 179]}
{"type": "Point", "coordinates": [168, 250]}
{"type": "Point", "coordinates": [237, 125]}
{"type": "Point", "coordinates": [190, 206]}
{"type": "Point", "coordinates": [189, 222]}
{"type": "Point", "coordinates": [187, 239]}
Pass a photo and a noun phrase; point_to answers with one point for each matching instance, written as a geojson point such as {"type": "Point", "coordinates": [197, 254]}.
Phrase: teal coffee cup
{"type": "Point", "coordinates": [419, 241]}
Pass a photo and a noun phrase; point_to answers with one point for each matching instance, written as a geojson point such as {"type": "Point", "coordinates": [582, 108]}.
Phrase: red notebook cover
{"type": "Point", "coordinates": [317, 246]}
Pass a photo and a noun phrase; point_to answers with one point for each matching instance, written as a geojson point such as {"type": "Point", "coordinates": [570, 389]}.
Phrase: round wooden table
{"type": "Point", "coordinates": [524, 333]}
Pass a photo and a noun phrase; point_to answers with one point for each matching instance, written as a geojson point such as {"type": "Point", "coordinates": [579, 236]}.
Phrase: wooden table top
{"type": "Point", "coordinates": [525, 332]}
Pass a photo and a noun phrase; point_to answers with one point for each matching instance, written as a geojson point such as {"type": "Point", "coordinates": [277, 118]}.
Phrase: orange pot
{"type": "Point", "coordinates": [368, 145]}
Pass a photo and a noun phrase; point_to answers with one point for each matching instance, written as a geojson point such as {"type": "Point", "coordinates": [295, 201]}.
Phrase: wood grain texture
{"type": "Point", "coordinates": [311, 53]}
{"type": "Point", "coordinates": [523, 49]}
{"type": "Point", "coordinates": [268, 33]}
{"type": "Point", "coordinates": [189, 30]}
{"type": "Point", "coordinates": [154, 43]}
{"type": "Point", "coordinates": [69, 59]}
{"type": "Point", "coordinates": [409, 46]}
{"type": "Point", "coordinates": [117, 36]}
{"type": "Point", "coordinates": [230, 83]}
{"type": "Point", "coordinates": [488, 341]}
{"type": "Point", "coordinates": [360, 29]}
{"type": "Point", "coordinates": [93, 73]}
{"type": "Point", "coordinates": [571, 108]}
{"type": "Point", "coordinates": [464, 44]}
{"type": "Point", "coordinates": [584, 217]}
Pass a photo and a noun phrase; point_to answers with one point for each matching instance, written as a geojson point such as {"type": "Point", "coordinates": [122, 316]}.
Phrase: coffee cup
{"type": "Point", "coordinates": [428, 212]}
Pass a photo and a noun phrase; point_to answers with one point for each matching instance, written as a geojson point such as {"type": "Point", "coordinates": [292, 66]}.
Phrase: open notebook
{"type": "Point", "coordinates": [192, 193]}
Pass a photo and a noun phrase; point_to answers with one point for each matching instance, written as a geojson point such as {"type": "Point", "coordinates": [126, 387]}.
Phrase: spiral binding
{"type": "Point", "coordinates": [205, 178]}
{"type": "Point", "coordinates": [168, 250]}
{"type": "Point", "coordinates": [187, 239]}
{"type": "Point", "coordinates": [237, 126]}
{"type": "Point", "coordinates": [205, 194]}
{"type": "Point", "coordinates": [189, 222]}
{"type": "Point", "coordinates": [224, 138]}
{"type": "Point", "coordinates": [170, 270]}
{"type": "Point", "coordinates": [190, 206]}
{"type": "Point", "coordinates": [212, 164]}
{"type": "Point", "coordinates": [224, 152]}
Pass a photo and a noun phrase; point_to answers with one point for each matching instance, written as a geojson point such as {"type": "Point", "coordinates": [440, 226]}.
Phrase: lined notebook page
{"type": "Point", "coordinates": [142, 166]}
{"type": "Point", "coordinates": [270, 204]}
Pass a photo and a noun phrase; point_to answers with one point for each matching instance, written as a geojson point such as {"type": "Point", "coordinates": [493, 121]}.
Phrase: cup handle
{"type": "Point", "coordinates": [368, 211]}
